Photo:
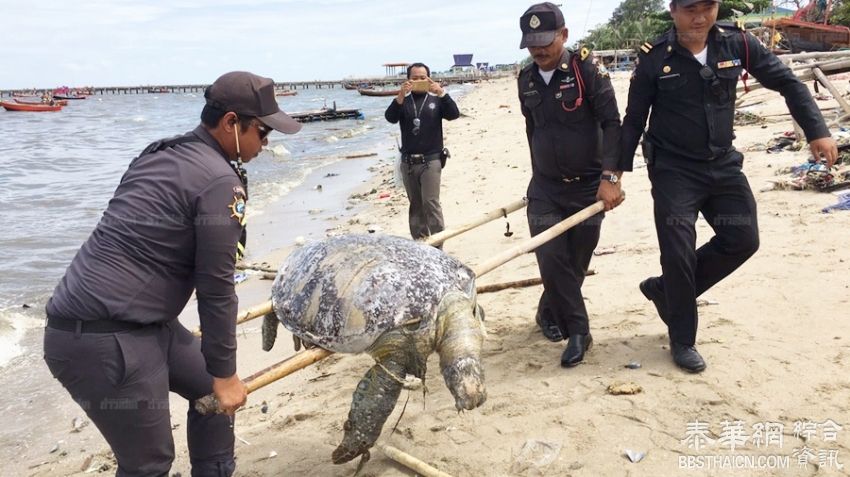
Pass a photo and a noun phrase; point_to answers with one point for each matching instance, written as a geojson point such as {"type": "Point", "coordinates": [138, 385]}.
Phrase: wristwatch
{"type": "Point", "coordinates": [612, 178]}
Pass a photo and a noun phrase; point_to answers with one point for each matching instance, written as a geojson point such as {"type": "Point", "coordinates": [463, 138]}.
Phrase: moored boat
{"type": "Point", "coordinates": [29, 107]}
{"type": "Point", "coordinates": [288, 92]}
{"type": "Point", "coordinates": [377, 92]}
{"type": "Point", "coordinates": [57, 102]}
{"type": "Point", "coordinates": [62, 96]}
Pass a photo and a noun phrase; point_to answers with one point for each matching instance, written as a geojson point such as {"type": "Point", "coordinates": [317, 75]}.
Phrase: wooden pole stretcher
{"type": "Point", "coordinates": [302, 359]}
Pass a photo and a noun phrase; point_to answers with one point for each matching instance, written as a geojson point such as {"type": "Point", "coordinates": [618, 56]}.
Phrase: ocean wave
{"type": "Point", "coordinates": [13, 326]}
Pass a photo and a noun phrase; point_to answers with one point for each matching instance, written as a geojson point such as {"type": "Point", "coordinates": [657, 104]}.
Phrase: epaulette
{"type": "Point", "coordinates": [730, 26]}
{"type": "Point", "coordinates": [526, 68]}
{"type": "Point", "coordinates": [646, 47]}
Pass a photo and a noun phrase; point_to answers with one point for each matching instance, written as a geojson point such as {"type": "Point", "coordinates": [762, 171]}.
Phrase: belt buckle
{"type": "Point", "coordinates": [569, 180]}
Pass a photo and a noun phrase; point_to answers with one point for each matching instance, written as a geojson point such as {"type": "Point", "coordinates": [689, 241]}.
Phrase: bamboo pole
{"type": "Point", "coordinates": [305, 358]}
{"type": "Point", "coordinates": [441, 237]}
{"type": "Point", "coordinates": [842, 66]}
{"type": "Point", "coordinates": [831, 88]}
{"type": "Point", "coordinates": [209, 404]}
{"type": "Point", "coordinates": [412, 463]}
{"type": "Point", "coordinates": [815, 54]}
{"type": "Point", "coordinates": [539, 239]}
{"type": "Point", "coordinates": [246, 315]}
{"type": "Point", "coordinates": [494, 287]}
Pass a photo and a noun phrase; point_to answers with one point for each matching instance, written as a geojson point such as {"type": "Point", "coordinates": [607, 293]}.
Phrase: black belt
{"type": "Point", "coordinates": [92, 326]}
{"type": "Point", "coordinates": [590, 178]}
{"type": "Point", "coordinates": [419, 158]}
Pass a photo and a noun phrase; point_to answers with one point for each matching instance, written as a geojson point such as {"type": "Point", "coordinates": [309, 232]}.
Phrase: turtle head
{"type": "Point", "coordinates": [460, 336]}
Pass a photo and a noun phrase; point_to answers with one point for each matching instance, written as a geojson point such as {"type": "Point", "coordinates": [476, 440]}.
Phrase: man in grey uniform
{"type": "Point", "coordinates": [174, 226]}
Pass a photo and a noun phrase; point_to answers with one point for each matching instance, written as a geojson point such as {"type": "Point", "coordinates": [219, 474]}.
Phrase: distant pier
{"type": "Point", "coordinates": [288, 85]}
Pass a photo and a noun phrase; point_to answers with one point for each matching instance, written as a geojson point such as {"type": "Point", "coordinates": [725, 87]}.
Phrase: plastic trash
{"type": "Point", "coordinates": [535, 456]}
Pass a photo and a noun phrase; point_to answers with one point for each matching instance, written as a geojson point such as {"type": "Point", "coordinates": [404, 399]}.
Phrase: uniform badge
{"type": "Point", "coordinates": [728, 64]}
{"type": "Point", "coordinates": [602, 70]}
{"type": "Point", "coordinates": [666, 69]}
{"type": "Point", "coordinates": [558, 95]}
{"type": "Point", "coordinates": [669, 48]}
{"type": "Point", "coordinates": [565, 66]}
{"type": "Point", "coordinates": [431, 105]}
{"type": "Point", "coordinates": [237, 208]}
{"type": "Point", "coordinates": [534, 22]}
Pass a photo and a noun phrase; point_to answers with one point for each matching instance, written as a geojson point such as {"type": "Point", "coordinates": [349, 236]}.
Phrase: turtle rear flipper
{"type": "Point", "coordinates": [372, 403]}
{"type": "Point", "coordinates": [270, 324]}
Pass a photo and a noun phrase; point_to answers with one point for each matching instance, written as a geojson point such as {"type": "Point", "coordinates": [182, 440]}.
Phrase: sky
{"type": "Point", "coordinates": [52, 43]}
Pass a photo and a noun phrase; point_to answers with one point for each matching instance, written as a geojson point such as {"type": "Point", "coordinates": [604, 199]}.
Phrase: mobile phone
{"type": "Point", "coordinates": [421, 86]}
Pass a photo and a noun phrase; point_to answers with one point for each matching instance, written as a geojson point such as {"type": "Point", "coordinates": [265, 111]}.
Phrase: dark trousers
{"type": "Point", "coordinates": [718, 189]}
{"type": "Point", "coordinates": [422, 184]}
{"type": "Point", "coordinates": [122, 381]}
{"type": "Point", "coordinates": [563, 260]}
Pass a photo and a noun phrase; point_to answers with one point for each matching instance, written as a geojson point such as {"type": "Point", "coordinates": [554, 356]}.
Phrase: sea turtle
{"type": "Point", "coordinates": [393, 298]}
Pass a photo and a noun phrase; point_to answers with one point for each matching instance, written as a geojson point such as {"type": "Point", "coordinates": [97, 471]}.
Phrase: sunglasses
{"type": "Point", "coordinates": [262, 129]}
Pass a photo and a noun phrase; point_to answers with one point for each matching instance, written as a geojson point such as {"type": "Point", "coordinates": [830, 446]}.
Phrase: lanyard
{"type": "Point", "coordinates": [415, 112]}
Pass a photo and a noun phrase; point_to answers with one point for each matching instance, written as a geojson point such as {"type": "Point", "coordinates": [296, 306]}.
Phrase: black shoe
{"type": "Point", "coordinates": [687, 358]}
{"type": "Point", "coordinates": [549, 328]}
{"type": "Point", "coordinates": [651, 289]}
{"type": "Point", "coordinates": [576, 347]}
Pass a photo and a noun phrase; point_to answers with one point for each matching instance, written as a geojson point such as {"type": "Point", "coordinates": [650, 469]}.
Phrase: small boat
{"type": "Point", "coordinates": [62, 96]}
{"type": "Point", "coordinates": [29, 107]}
{"type": "Point", "coordinates": [377, 92]}
{"type": "Point", "coordinates": [57, 102]}
{"type": "Point", "coordinates": [288, 92]}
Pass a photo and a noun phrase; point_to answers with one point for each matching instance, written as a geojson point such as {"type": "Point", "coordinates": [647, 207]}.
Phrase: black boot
{"type": "Point", "coordinates": [550, 329]}
{"type": "Point", "coordinates": [576, 347]}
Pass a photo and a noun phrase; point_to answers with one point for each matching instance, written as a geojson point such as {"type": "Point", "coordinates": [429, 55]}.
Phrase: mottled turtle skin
{"type": "Point", "coordinates": [393, 298]}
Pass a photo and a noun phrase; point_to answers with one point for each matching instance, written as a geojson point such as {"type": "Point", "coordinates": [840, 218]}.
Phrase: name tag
{"type": "Point", "coordinates": [728, 63]}
{"type": "Point", "coordinates": [670, 76]}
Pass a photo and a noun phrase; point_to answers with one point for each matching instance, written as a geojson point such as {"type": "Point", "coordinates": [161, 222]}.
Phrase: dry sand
{"type": "Point", "coordinates": [776, 339]}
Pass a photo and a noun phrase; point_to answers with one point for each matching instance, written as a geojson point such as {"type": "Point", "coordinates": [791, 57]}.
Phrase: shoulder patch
{"type": "Point", "coordinates": [237, 207]}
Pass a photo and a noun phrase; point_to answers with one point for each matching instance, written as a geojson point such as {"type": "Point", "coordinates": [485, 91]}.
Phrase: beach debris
{"type": "Point", "coordinates": [241, 439]}
{"type": "Point", "coordinates": [264, 408]}
{"type": "Point", "coordinates": [383, 195]}
{"type": "Point", "coordinates": [842, 204]}
{"type": "Point", "coordinates": [318, 187]}
{"type": "Point", "coordinates": [279, 150]}
{"type": "Point", "coordinates": [314, 211]}
{"type": "Point", "coordinates": [535, 455]}
{"type": "Point", "coordinates": [372, 228]}
{"type": "Point", "coordinates": [391, 308]}
{"type": "Point", "coordinates": [779, 144]}
{"type": "Point", "coordinates": [331, 174]}
{"type": "Point", "coordinates": [239, 277]}
{"type": "Point", "coordinates": [26, 306]}
{"type": "Point", "coordinates": [604, 251]}
{"type": "Point", "coordinates": [300, 240]}
{"type": "Point", "coordinates": [706, 302]}
{"type": "Point", "coordinates": [272, 455]}
{"type": "Point", "coordinates": [619, 388]}
{"type": "Point", "coordinates": [633, 365]}
{"type": "Point", "coordinates": [56, 447]}
{"type": "Point", "coordinates": [78, 423]}
{"type": "Point", "coordinates": [635, 456]}
{"type": "Point", "coordinates": [745, 118]}
{"type": "Point", "coordinates": [811, 175]}
{"type": "Point", "coordinates": [359, 156]}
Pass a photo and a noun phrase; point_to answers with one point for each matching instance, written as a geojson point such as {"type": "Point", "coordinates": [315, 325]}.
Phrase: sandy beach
{"type": "Point", "coordinates": [775, 335]}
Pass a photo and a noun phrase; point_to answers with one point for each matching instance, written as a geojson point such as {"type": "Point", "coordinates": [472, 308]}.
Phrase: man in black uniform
{"type": "Point", "coordinates": [420, 116]}
{"type": "Point", "coordinates": [573, 129]}
{"type": "Point", "coordinates": [688, 77]}
{"type": "Point", "coordinates": [173, 227]}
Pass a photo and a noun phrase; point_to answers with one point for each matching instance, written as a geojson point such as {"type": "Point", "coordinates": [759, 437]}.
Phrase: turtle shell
{"type": "Point", "coordinates": [343, 292]}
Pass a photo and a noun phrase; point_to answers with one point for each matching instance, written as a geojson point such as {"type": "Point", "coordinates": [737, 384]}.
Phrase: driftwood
{"type": "Point", "coordinates": [412, 463]}
{"type": "Point", "coordinates": [358, 156]}
{"type": "Point", "coordinates": [305, 358]}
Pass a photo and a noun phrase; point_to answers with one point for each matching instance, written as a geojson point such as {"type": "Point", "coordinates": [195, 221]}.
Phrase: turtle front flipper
{"type": "Point", "coordinates": [372, 403]}
{"type": "Point", "coordinates": [270, 324]}
{"type": "Point", "coordinates": [459, 339]}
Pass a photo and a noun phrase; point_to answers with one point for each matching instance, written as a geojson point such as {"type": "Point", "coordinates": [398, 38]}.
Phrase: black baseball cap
{"type": "Point", "coordinates": [688, 3]}
{"type": "Point", "coordinates": [539, 24]}
{"type": "Point", "coordinates": [247, 94]}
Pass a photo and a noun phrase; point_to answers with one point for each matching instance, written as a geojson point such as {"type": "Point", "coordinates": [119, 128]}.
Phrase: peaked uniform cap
{"type": "Point", "coordinates": [247, 94]}
{"type": "Point", "coordinates": [540, 24]}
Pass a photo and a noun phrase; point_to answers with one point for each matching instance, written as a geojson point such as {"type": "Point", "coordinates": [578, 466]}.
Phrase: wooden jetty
{"type": "Point", "coordinates": [395, 81]}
